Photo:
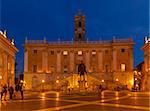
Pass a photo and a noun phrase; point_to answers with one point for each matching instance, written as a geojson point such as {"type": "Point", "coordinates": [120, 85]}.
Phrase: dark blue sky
{"type": "Point", "coordinates": [53, 19]}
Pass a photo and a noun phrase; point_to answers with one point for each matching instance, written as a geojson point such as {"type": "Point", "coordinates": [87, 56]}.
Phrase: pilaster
{"type": "Point", "coordinates": [114, 60]}
{"type": "Point", "coordinates": [100, 61]}
{"type": "Point", "coordinates": [26, 60]}
{"type": "Point", "coordinates": [71, 61]}
{"type": "Point", "coordinates": [58, 61]}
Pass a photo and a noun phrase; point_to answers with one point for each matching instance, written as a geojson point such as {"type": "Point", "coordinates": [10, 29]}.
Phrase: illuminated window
{"type": "Point", "coordinates": [123, 67]}
{"type": "Point", "coordinates": [34, 68]}
{"type": "Point", "coordinates": [93, 52]}
{"type": "Point", "coordinates": [79, 52]}
{"type": "Point", "coordinates": [8, 66]}
{"type": "Point", "coordinates": [65, 53]}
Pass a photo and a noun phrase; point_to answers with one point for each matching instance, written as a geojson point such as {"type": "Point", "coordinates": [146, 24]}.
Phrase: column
{"type": "Point", "coordinates": [100, 61]}
{"type": "Point", "coordinates": [26, 60]}
{"type": "Point", "coordinates": [114, 59]}
{"type": "Point", "coordinates": [13, 71]}
{"type": "Point", "coordinates": [71, 61]}
{"type": "Point", "coordinates": [5, 77]}
{"type": "Point", "coordinates": [58, 61]}
{"type": "Point", "coordinates": [44, 61]}
{"type": "Point", "coordinates": [87, 60]}
{"type": "Point", "coordinates": [131, 58]}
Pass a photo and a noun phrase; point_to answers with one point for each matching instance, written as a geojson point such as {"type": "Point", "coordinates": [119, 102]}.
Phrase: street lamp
{"type": "Point", "coordinates": [43, 81]}
{"type": "Point", "coordinates": [0, 77]}
{"type": "Point", "coordinates": [117, 80]}
{"type": "Point", "coordinates": [57, 83]}
{"type": "Point", "coordinates": [103, 80]}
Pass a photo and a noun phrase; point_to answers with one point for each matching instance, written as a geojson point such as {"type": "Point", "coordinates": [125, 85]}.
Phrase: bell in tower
{"type": "Point", "coordinates": [79, 27]}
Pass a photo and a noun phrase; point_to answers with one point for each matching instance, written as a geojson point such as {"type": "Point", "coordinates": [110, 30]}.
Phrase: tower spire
{"type": "Point", "coordinates": [79, 27]}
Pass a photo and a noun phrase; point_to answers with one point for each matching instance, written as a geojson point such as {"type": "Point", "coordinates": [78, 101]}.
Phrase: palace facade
{"type": "Point", "coordinates": [7, 59]}
{"type": "Point", "coordinates": [52, 63]}
{"type": "Point", "coordinates": [146, 65]}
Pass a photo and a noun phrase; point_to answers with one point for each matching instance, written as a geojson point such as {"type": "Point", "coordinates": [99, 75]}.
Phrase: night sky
{"type": "Point", "coordinates": [53, 19]}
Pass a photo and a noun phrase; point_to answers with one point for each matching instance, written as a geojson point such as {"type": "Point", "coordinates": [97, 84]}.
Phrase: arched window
{"type": "Point", "coordinates": [80, 24]}
{"type": "Point", "coordinates": [79, 36]}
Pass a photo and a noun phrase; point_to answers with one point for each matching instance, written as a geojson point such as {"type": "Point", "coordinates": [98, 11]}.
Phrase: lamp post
{"type": "Point", "coordinates": [117, 84]}
{"type": "Point", "coordinates": [57, 83]}
{"type": "Point", "coordinates": [43, 81]}
{"type": "Point", "coordinates": [0, 78]}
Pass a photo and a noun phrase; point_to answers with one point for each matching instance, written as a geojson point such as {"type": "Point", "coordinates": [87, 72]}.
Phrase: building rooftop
{"type": "Point", "coordinates": [128, 40]}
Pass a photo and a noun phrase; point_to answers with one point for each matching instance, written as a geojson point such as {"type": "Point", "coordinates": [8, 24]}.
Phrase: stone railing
{"type": "Point", "coordinates": [36, 42]}
{"type": "Point", "coordinates": [122, 40]}
{"type": "Point", "coordinates": [77, 42]}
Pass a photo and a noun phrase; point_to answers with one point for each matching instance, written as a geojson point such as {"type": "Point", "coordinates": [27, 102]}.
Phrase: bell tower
{"type": "Point", "coordinates": [79, 27]}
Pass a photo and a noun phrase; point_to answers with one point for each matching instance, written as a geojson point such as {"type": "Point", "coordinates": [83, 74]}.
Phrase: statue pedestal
{"type": "Point", "coordinates": [82, 86]}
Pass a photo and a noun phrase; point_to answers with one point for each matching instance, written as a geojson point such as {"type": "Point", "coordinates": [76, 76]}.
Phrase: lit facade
{"type": "Point", "coordinates": [7, 59]}
{"type": "Point", "coordinates": [146, 71]}
{"type": "Point", "coordinates": [104, 60]}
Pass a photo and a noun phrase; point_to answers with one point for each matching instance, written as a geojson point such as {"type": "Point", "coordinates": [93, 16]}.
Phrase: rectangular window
{"type": "Point", "coordinates": [94, 68]}
{"type": "Point", "coordinates": [35, 51]}
{"type": "Point", "coordinates": [79, 52]}
{"type": "Point", "coordinates": [52, 69]}
{"type": "Point", "coordinates": [80, 24]}
{"type": "Point", "coordinates": [8, 66]}
{"type": "Point", "coordinates": [106, 51]}
{"type": "Point", "coordinates": [93, 52]}
{"type": "Point", "coordinates": [65, 53]}
{"type": "Point", "coordinates": [52, 52]}
{"type": "Point", "coordinates": [122, 50]}
{"type": "Point", "coordinates": [79, 36]}
{"type": "Point", "coordinates": [34, 68]}
{"type": "Point", "coordinates": [65, 69]}
{"type": "Point", "coordinates": [123, 67]}
{"type": "Point", "coordinates": [106, 67]}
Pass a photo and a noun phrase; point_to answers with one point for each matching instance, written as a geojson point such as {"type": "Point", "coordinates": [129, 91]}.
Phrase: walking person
{"type": "Point", "coordinates": [1, 91]}
{"type": "Point", "coordinates": [11, 92]}
{"type": "Point", "coordinates": [4, 91]}
{"type": "Point", "coordinates": [21, 90]}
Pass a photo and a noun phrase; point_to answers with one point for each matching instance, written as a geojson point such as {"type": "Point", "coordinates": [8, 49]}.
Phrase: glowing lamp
{"type": "Point", "coordinates": [43, 81]}
{"type": "Point", "coordinates": [117, 79]}
{"type": "Point", "coordinates": [102, 80]}
{"type": "Point", "coordinates": [21, 81]}
{"type": "Point", "coordinates": [0, 77]}
{"type": "Point", "coordinates": [57, 81]}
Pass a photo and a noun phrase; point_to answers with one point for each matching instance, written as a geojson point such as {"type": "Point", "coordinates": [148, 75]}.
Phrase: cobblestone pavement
{"type": "Point", "coordinates": [106, 101]}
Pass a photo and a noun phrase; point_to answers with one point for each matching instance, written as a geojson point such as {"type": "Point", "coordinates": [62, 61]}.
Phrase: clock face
{"type": "Point", "coordinates": [79, 30]}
